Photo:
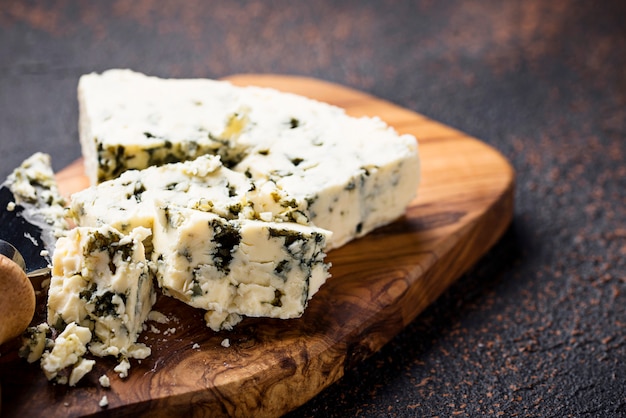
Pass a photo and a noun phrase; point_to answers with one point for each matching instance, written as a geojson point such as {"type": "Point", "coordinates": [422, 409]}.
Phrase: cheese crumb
{"type": "Point", "coordinates": [11, 206]}
{"type": "Point", "coordinates": [82, 367]}
{"type": "Point", "coordinates": [195, 346]}
{"type": "Point", "coordinates": [34, 342]}
{"type": "Point", "coordinates": [169, 331]}
{"type": "Point", "coordinates": [69, 347]}
{"type": "Point", "coordinates": [226, 342]}
{"type": "Point", "coordinates": [104, 402]}
{"type": "Point", "coordinates": [104, 381]}
{"type": "Point", "coordinates": [157, 316]}
{"type": "Point", "coordinates": [122, 368]}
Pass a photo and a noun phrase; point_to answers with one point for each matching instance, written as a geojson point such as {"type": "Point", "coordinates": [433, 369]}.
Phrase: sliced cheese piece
{"type": "Point", "coordinates": [235, 268]}
{"type": "Point", "coordinates": [101, 280]}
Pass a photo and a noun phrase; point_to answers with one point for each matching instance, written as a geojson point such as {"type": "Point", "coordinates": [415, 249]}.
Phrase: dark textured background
{"type": "Point", "coordinates": [538, 327]}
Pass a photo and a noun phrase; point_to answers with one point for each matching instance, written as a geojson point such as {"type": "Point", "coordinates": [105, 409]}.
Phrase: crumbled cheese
{"type": "Point", "coordinates": [276, 293]}
{"type": "Point", "coordinates": [104, 380]}
{"type": "Point", "coordinates": [11, 206]}
{"type": "Point", "coordinates": [122, 368]}
{"type": "Point", "coordinates": [157, 316]}
{"type": "Point", "coordinates": [68, 350]}
{"type": "Point", "coordinates": [169, 331]}
{"type": "Point", "coordinates": [104, 402]}
{"type": "Point", "coordinates": [225, 343]}
{"type": "Point", "coordinates": [34, 342]}
{"type": "Point", "coordinates": [101, 280]}
{"type": "Point", "coordinates": [195, 346]}
{"type": "Point", "coordinates": [79, 370]}
{"type": "Point", "coordinates": [266, 216]}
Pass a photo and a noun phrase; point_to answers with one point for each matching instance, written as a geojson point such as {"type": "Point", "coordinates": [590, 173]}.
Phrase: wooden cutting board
{"type": "Point", "coordinates": [379, 284]}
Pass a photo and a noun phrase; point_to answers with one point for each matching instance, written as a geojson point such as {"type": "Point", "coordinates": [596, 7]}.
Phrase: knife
{"type": "Point", "coordinates": [31, 217]}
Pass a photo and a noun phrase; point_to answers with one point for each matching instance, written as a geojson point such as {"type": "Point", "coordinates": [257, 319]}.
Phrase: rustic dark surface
{"type": "Point", "coordinates": [538, 327]}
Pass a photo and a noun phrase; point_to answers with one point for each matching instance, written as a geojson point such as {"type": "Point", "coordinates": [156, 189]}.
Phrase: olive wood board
{"type": "Point", "coordinates": [379, 284]}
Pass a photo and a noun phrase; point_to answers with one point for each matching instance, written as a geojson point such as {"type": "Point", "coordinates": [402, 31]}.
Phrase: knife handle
{"type": "Point", "coordinates": [17, 300]}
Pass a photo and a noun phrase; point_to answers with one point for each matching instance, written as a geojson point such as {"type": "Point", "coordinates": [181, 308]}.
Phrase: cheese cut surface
{"type": "Point", "coordinates": [235, 268]}
{"type": "Point", "coordinates": [101, 280]}
{"type": "Point", "coordinates": [348, 175]}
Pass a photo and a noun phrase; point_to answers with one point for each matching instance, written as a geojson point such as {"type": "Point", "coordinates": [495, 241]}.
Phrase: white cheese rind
{"type": "Point", "coordinates": [237, 267]}
{"type": "Point", "coordinates": [101, 280]}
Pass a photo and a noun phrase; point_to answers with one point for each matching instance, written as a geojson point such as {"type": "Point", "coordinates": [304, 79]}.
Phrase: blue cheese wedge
{"type": "Point", "coordinates": [345, 174]}
{"type": "Point", "coordinates": [235, 268]}
{"type": "Point", "coordinates": [101, 280]}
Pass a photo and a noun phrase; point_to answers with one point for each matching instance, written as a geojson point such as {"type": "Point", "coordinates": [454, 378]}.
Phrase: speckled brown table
{"type": "Point", "coordinates": [538, 326]}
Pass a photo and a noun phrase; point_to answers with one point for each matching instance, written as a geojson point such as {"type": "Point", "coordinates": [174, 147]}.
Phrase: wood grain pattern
{"type": "Point", "coordinates": [380, 283]}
